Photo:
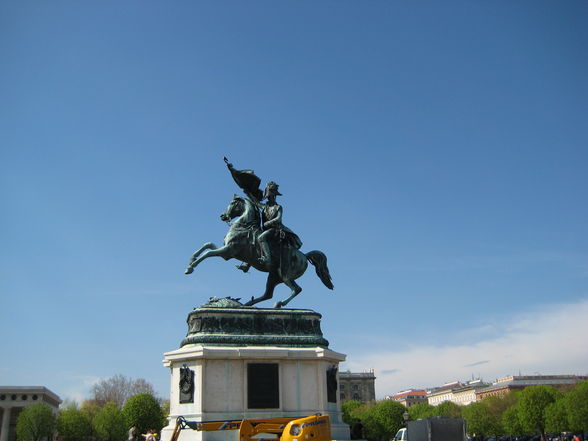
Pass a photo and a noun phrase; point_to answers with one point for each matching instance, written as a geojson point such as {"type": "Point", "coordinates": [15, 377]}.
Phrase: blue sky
{"type": "Point", "coordinates": [435, 151]}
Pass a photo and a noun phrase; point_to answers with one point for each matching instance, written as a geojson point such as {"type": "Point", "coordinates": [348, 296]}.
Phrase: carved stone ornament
{"type": "Point", "coordinates": [332, 384]}
{"type": "Point", "coordinates": [186, 385]}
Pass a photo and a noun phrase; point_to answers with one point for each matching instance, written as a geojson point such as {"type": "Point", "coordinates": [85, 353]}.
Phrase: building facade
{"type": "Point", "coordinates": [409, 397]}
{"type": "Point", "coordinates": [13, 399]}
{"type": "Point", "coordinates": [358, 386]}
{"type": "Point", "coordinates": [467, 393]}
{"type": "Point", "coordinates": [443, 393]}
{"type": "Point", "coordinates": [456, 392]}
{"type": "Point", "coordinates": [517, 382]}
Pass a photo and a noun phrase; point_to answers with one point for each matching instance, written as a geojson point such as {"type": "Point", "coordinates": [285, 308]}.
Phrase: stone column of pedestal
{"type": "Point", "coordinates": [5, 424]}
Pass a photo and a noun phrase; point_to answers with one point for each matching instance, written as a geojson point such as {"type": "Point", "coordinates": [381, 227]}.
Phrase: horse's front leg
{"type": "Point", "coordinates": [223, 251]}
{"type": "Point", "coordinates": [206, 246]}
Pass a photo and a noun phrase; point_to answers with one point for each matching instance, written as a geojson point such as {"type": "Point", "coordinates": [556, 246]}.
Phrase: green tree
{"type": "Point", "coordinates": [165, 407]}
{"type": "Point", "coordinates": [109, 423]}
{"type": "Point", "coordinates": [511, 422]}
{"type": "Point", "coordinates": [349, 411]}
{"type": "Point", "coordinates": [497, 405]}
{"type": "Point", "coordinates": [74, 425]}
{"type": "Point", "coordinates": [144, 412]}
{"type": "Point", "coordinates": [35, 422]}
{"type": "Point", "coordinates": [481, 421]}
{"type": "Point", "coordinates": [577, 407]}
{"type": "Point", "coordinates": [448, 409]}
{"type": "Point", "coordinates": [382, 420]}
{"type": "Point", "coordinates": [556, 416]}
{"type": "Point", "coordinates": [532, 404]}
{"type": "Point", "coordinates": [90, 408]}
{"type": "Point", "coordinates": [421, 410]}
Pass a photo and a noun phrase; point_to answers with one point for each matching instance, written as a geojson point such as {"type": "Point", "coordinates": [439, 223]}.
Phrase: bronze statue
{"type": "Point", "coordinates": [273, 228]}
{"type": "Point", "coordinates": [257, 237]}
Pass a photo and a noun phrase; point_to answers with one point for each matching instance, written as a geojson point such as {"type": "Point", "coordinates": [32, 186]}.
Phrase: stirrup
{"type": "Point", "coordinates": [243, 267]}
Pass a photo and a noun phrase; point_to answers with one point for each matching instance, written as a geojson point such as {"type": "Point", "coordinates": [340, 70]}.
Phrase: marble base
{"type": "Point", "coordinates": [223, 373]}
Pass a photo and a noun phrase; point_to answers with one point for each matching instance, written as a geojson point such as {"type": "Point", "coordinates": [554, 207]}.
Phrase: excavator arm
{"type": "Point", "coordinates": [316, 427]}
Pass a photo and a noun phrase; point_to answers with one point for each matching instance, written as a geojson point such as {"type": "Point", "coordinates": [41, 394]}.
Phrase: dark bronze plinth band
{"type": "Point", "coordinates": [255, 327]}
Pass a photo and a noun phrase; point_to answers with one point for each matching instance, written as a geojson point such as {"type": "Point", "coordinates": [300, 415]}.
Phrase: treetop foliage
{"type": "Point", "coordinates": [98, 418]}
{"type": "Point", "coordinates": [35, 422]}
{"type": "Point", "coordinates": [144, 412]}
{"type": "Point", "coordinates": [109, 423]}
{"type": "Point", "coordinates": [577, 407]}
{"type": "Point", "coordinates": [532, 404]}
{"type": "Point", "coordinates": [448, 409]}
{"type": "Point", "coordinates": [119, 389]}
{"type": "Point", "coordinates": [74, 425]}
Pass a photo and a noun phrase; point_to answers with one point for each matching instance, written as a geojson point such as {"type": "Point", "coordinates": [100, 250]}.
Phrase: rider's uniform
{"type": "Point", "coordinates": [277, 229]}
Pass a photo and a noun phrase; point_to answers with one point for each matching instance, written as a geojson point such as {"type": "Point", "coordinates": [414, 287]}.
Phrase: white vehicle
{"type": "Point", "coordinates": [401, 435]}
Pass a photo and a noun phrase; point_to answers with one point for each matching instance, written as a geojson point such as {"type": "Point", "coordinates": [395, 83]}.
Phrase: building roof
{"type": "Point", "coordinates": [30, 390]}
{"type": "Point", "coordinates": [522, 381]}
{"type": "Point", "coordinates": [409, 393]}
{"type": "Point", "coordinates": [448, 387]}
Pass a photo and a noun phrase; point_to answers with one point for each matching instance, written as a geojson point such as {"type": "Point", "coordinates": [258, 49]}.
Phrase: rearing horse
{"type": "Point", "coordinates": [240, 242]}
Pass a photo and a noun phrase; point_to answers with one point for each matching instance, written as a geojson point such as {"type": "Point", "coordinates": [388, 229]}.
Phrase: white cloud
{"type": "Point", "coordinates": [547, 340]}
{"type": "Point", "coordinates": [78, 387]}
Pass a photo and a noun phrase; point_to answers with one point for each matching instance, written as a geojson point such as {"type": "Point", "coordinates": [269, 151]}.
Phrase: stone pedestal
{"type": "Point", "coordinates": [239, 362]}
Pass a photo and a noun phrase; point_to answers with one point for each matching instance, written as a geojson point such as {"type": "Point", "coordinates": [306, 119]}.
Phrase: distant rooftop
{"type": "Point", "coordinates": [349, 375]}
{"type": "Point", "coordinates": [522, 381]}
{"type": "Point", "coordinates": [410, 393]}
{"type": "Point", "coordinates": [540, 379]}
{"type": "Point", "coordinates": [8, 393]}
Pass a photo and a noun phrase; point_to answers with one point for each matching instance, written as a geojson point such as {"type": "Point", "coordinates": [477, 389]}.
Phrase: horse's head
{"type": "Point", "coordinates": [235, 208]}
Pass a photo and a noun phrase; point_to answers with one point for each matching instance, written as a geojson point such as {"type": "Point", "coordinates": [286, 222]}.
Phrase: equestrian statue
{"type": "Point", "coordinates": [258, 238]}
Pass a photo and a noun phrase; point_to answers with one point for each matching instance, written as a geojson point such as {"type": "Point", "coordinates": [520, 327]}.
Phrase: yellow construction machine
{"type": "Point", "coordinates": [311, 428]}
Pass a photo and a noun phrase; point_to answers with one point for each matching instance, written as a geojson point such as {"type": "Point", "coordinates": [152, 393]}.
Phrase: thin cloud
{"type": "Point", "coordinates": [390, 371]}
{"type": "Point", "coordinates": [551, 340]}
{"type": "Point", "coordinates": [477, 363]}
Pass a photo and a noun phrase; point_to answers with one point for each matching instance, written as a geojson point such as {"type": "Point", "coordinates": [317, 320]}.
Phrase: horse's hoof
{"type": "Point", "coordinates": [189, 270]}
{"type": "Point", "coordinates": [278, 305]}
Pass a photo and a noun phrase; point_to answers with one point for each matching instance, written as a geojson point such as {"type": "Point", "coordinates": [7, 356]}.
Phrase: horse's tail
{"type": "Point", "coordinates": [319, 260]}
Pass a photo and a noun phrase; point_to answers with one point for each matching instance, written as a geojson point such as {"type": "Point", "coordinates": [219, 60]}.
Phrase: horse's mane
{"type": "Point", "coordinates": [255, 222]}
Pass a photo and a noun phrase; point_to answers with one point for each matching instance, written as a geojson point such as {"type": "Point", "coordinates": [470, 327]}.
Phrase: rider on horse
{"type": "Point", "coordinates": [275, 234]}
{"type": "Point", "coordinates": [275, 250]}
{"type": "Point", "coordinates": [271, 218]}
